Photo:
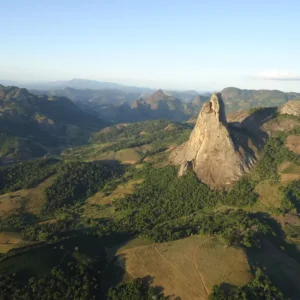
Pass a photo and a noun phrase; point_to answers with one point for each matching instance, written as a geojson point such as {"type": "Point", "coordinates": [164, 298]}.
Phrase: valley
{"type": "Point", "coordinates": [110, 213]}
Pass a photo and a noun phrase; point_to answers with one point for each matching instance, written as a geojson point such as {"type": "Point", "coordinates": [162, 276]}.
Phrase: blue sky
{"type": "Point", "coordinates": [190, 44]}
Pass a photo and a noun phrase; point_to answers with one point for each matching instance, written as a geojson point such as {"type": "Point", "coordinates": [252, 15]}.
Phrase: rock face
{"type": "Point", "coordinates": [217, 156]}
{"type": "Point", "coordinates": [291, 108]}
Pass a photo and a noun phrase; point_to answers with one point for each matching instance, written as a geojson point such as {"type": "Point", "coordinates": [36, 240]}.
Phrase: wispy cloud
{"type": "Point", "coordinates": [277, 75]}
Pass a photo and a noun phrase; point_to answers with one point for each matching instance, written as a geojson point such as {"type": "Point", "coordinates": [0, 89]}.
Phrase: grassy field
{"type": "Point", "coordinates": [100, 204]}
{"type": "Point", "coordinates": [187, 268]}
{"type": "Point", "coordinates": [85, 152]}
{"type": "Point", "coordinates": [10, 240]}
{"type": "Point", "coordinates": [30, 200]}
{"type": "Point", "coordinates": [95, 152]}
{"type": "Point", "coordinates": [120, 192]}
{"type": "Point", "coordinates": [269, 194]}
{"type": "Point", "coordinates": [293, 143]}
{"type": "Point", "coordinates": [289, 171]}
{"type": "Point", "coordinates": [127, 156]}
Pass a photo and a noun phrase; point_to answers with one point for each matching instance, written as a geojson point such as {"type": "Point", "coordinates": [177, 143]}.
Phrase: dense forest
{"type": "Point", "coordinates": [159, 133]}
{"type": "Point", "coordinates": [26, 174]}
{"type": "Point", "coordinates": [76, 181]}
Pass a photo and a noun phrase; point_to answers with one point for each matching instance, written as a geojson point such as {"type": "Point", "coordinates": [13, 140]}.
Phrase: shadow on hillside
{"type": "Point", "coordinates": [279, 260]}
{"type": "Point", "coordinates": [115, 270]}
{"type": "Point", "coordinates": [89, 249]}
{"type": "Point", "coordinates": [114, 164]}
{"type": "Point", "coordinates": [108, 162]}
{"type": "Point", "coordinates": [249, 130]}
{"type": "Point", "coordinates": [259, 118]}
{"type": "Point", "coordinates": [102, 252]}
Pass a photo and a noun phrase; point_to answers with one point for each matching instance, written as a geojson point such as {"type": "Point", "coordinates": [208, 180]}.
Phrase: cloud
{"type": "Point", "coordinates": [277, 75]}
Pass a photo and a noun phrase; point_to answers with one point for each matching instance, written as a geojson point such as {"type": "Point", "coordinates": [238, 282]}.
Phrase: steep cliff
{"type": "Point", "coordinates": [217, 155]}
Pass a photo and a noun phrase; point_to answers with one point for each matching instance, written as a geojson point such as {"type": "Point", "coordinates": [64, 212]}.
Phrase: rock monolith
{"type": "Point", "coordinates": [217, 157]}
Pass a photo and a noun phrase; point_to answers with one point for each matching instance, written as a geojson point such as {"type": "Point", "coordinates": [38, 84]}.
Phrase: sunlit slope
{"type": "Point", "coordinates": [188, 268]}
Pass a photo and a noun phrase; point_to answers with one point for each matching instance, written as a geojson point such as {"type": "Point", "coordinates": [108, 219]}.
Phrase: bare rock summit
{"type": "Point", "coordinates": [216, 155]}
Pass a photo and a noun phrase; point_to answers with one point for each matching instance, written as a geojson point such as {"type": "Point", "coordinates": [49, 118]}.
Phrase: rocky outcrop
{"type": "Point", "coordinates": [291, 108]}
{"type": "Point", "coordinates": [158, 95]}
{"type": "Point", "coordinates": [217, 156]}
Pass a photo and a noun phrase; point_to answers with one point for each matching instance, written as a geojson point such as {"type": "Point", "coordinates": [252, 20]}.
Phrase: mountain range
{"type": "Point", "coordinates": [238, 99]}
{"type": "Point", "coordinates": [75, 83]}
{"type": "Point", "coordinates": [37, 122]}
{"type": "Point", "coordinates": [115, 105]}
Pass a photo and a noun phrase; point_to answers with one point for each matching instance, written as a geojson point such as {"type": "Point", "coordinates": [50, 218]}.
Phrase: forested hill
{"type": "Point", "coordinates": [40, 121]}
{"type": "Point", "coordinates": [119, 106]}
{"type": "Point", "coordinates": [130, 105]}
{"type": "Point", "coordinates": [236, 99]}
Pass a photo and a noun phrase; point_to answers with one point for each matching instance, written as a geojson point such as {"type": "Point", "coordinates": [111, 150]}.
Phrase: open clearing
{"type": "Point", "coordinates": [269, 194]}
{"type": "Point", "coordinates": [99, 205]}
{"type": "Point", "coordinates": [120, 192]}
{"type": "Point", "coordinates": [96, 152]}
{"type": "Point", "coordinates": [29, 199]}
{"type": "Point", "coordinates": [187, 268]}
{"type": "Point", "coordinates": [10, 240]}
{"type": "Point", "coordinates": [289, 171]}
{"type": "Point", "coordinates": [293, 143]}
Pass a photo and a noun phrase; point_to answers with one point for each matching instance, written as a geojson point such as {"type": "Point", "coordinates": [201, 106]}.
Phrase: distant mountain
{"type": "Point", "coordinates": [236, 99]}
{"type": "Point", "coordinates": [186, 96]}
{"type": "Point", "coordinates": [117, 106]}
{"type": "Point", "coordinates": [107, 96]}
{"type": "Point", "coordinates": [129, 104]}
{"type": "Point", "coordinates": [87, 84]}
{"type": "Point", "coordinates": [176, 106]}
{"type": "Point", "coordinates": [77, 83]}
{"type": "Point", "coordinates": [83, 84]}
{"type": "Point", "coordinates": [46, 122]}
{"type": "Point", "coordinates": [162, 106]}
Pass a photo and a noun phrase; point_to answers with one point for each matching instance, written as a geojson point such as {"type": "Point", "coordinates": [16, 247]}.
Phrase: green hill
{"type": "Point", "coordinates": [236, 99]}
{"type": "Point", "coordinates": [131, 142]}
{"type": "Point", "coordinates": [32, 124]}
{"type": "Point", "coordinates": [119, 106]}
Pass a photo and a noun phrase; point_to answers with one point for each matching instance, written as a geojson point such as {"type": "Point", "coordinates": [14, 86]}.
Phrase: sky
{"type": "Point", "coordinates": [187, 44]}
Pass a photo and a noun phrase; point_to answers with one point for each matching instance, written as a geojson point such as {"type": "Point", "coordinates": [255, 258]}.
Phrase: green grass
{"type": "Point", "coordinates": [291, 169]}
